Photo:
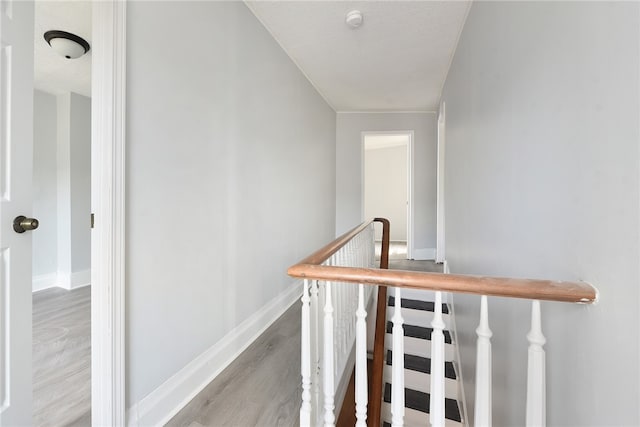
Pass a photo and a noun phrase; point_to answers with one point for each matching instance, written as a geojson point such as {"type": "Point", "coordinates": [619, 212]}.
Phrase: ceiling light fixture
{"type": "Point", "coordinates": [354, 19]}
{"type": "Point", "coordinates": [66, 44]}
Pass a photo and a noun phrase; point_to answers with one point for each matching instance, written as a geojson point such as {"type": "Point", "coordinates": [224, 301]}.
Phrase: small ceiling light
{"type": "Point", "coordinates": [354, 19]}
{"type": "Point", "coordinates": [66, 44]}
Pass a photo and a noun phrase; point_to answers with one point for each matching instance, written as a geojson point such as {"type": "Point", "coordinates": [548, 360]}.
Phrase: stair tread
{"type": "Point", "coordinates": [422, 364]}
{"type": "Point", "coordinates": [420, 401]}
{"type": "Point", "coordinates": [419, 332]}
{"type": "Point", "coordinates": [417, 305]}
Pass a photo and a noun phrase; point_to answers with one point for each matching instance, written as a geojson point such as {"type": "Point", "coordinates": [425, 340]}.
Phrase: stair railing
{"type": "Point", "coordinates": [325, 358]}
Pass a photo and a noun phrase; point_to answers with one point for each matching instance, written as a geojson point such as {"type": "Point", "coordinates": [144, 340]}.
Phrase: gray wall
{"type": "Point", "coordinates": [80, 185]}
{"type": "Point", "coordinates": [385, 188]}
{"type": "Point", "coordinates": [74, 189]}
{"type": "Point", "coordinates": [349, 209]}
{"type": "Point", "coordinates": [45, 260]}
{"type": "Point", "coordinates": [542, 172]}
{"type": "Point", "coordinates": [231, 179]}
{"type": "Point", "coordinates": [62, 183]}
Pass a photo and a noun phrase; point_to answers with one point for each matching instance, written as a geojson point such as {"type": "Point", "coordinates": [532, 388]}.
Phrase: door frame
{"type": "Point", "coordinates": [108, 185]}
{"type": "Point", "coordinates": [440, 217]}
{"type": "Point", "coordinates": [410, 134]}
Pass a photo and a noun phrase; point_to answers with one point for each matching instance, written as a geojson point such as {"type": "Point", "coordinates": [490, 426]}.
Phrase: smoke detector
{"type": "Point", "coordinates": [354, 19]}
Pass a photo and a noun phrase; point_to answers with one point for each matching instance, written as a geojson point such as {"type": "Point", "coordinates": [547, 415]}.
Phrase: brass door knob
{"type": "Point", "coordinates": [22, 224]}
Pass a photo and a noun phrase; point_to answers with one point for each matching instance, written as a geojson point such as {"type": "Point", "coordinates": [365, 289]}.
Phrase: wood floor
{"type": "Point", "coordinates": [262, 387]}
{"type": "Point", "coordinates": [62, 357]}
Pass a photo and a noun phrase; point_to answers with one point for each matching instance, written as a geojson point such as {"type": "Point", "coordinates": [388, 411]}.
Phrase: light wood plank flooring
{"type": "Point", "coordinates": [62, 357]}
{"type": "Point", "coordinates": [260, 388]}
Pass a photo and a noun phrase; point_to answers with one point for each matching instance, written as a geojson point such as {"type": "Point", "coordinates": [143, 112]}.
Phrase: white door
{"type": "Point", "coordinates": [16, 160]}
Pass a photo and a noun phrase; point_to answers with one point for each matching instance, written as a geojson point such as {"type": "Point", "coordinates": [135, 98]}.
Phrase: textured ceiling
{"type": "Point", "coordinates": [52, 72]}
{"type": "Point", "coordinates": [396, 61]}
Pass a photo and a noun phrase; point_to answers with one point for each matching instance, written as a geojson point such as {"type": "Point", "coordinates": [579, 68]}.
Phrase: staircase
{"type": "Point", "coordinates": [417, 312]}
{"type": "Point", "coordinates": [336, 297]}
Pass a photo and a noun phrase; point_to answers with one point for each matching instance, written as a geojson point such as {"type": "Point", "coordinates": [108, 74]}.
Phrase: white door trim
{"type": "Point", "coordinates": [108, 205]}
{"type": "Point", "coordinates": [410, 213]}
{"type": "Point", "coordinates": [440, 217]}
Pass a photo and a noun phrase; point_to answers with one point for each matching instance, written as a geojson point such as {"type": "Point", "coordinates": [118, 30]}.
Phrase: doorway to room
{"type": "Point", "coordinates": [61, 246]}
{"type": "Point", "coordinates": [387, 186]}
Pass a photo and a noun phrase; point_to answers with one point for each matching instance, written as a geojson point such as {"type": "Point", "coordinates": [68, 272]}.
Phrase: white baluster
{"type": "Point", "coordinates": [536, 388]}
{"type": "Point", "coordinates": [361, 361]}
{"type": "Point", "coordinates": [483, 368]}
{"type": "Point", "coordinates": [315, 351]}
{"type": "Point", "coordinates": [329, 416]}
{"type": "Point", "coordinates": [397, 362]}
{"type": "Point", "coordinates": [436, 410]}
{"type": "Point", "coordinates": [305, 361]}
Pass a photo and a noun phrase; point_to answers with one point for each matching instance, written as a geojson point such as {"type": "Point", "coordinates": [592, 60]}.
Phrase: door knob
{"type": "Point", "coordinates": [22, 224]}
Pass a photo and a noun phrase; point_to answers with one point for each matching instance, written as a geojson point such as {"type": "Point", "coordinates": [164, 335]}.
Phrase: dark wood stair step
{"type": "Point", "coordinates": [418, 332]}
{"type": "Point", "coordinates": [417, 305]}
{"type": "Point", "coordinates": [419, 401]}
{"type": "Point", "coordinates": [422, 364]}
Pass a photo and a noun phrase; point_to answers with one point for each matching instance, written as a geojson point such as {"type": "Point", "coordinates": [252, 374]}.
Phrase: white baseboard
{"type": "Point", "coordinates": [44, 281]}
{"type": "Point", "coordinates": [162, 404]}
{"type": "Point", "coordinates": [424, 254]}
{"type": "Point", "coordinates": [77, 279]}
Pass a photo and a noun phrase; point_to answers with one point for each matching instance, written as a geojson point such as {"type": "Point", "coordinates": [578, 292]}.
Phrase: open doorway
{"type": "Point", "coordinates": [387, 186]}
{"type": "Point", "coordinates": [61, 267]}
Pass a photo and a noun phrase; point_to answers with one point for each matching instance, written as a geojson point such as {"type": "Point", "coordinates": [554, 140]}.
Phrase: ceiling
{"type": "Point", "coordinates": [396, 61]}
{"type": "Point", "coordinates": [52, 72]}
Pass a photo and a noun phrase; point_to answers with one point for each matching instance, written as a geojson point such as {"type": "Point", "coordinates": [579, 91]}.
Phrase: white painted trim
{"type": "Point", "coordinates": [108, 205]}
{"type": "Point", "coordinates": [424, 254]}
{"type": "Point", "coordinates": [162, 404]}
{"type": "Point", "coordinates": [75, 280]}
{"type": "Point", "coordinates": [80, 279]}
{"type": "Point", "coordinates": [440, 200]}
{"type": "Point", "coordinates": [44, 281]}
{"type": "Point", "coordinates": [410, 191]}
{"type": "Point", "coordinates": [386, 112]}
{"type": "Point", "coordinates": [410, 180]}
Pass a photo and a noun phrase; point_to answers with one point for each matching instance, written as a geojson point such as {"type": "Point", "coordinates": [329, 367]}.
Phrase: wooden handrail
{"type": "Point", "coordinates": [549, 290]}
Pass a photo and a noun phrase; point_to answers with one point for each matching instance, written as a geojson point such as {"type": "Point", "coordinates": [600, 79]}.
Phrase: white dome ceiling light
{"type": "Point", "coordinates": [354, 19]}
{"type": "Point", "coordinates": [66, 44]}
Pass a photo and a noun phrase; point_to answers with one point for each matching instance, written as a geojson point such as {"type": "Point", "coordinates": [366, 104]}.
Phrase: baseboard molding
{"type": "Point", "coordinates": [162, 404]}
{"type": "Point", "coordinates": [44, 281]}
{"type": "Point", "coordinates": [424, 254]}
{"type": "Point", "coordinates": [79, 279]}
{"type": "Point", "coordinates": [75, 280]}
